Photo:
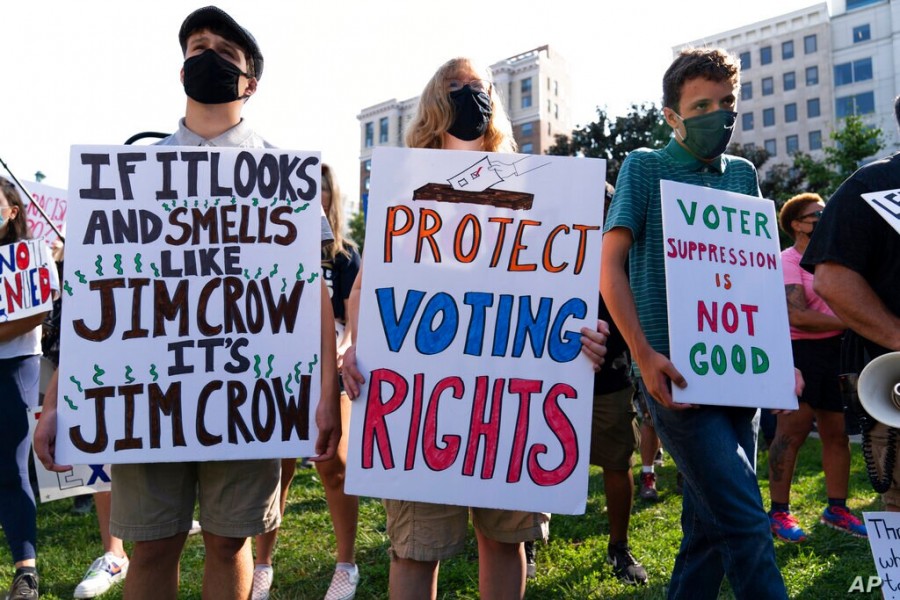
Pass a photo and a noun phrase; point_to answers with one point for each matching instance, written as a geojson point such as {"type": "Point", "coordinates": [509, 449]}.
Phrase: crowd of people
{"type": "Point", "coordinates": [840, 282]}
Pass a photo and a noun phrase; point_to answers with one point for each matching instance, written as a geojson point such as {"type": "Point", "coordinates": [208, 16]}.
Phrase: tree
{"type": "Point", "coordinates": [613, 138]}
{"type": "Point", "coordinates": [357, 227]}
{"type": "Point", "coordinates": [852, 144]}
{"type": "Point", "coordinates": [758, 156]}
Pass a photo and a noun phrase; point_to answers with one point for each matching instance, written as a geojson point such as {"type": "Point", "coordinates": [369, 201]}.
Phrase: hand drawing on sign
{"type": "Point", "coordinates": [474, 184]}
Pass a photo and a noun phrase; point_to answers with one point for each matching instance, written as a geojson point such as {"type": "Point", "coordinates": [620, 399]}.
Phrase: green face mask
{"type": "Point", "coordinates": [707, 136]}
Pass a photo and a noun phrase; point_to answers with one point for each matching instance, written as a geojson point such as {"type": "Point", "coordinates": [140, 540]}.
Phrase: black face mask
{"type": "Point", "coordinates": [471, 113]}
{"type": "Point", "coordinates": [210, 79]}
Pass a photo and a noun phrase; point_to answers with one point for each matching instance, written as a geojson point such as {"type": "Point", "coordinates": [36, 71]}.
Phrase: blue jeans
{"type": "Point", "coordinates": [726, 529]}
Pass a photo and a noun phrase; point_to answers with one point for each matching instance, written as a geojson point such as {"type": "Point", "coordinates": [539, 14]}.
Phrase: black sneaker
{"type": "Point", "coordinates": [24, 587]}
{"type": "Point", "coordinates": [530, 565]}
{"type": "Point", "coordinates": [625, 565]}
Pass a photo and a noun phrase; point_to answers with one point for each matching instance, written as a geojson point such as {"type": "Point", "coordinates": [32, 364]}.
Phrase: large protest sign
{"type": "Point", "coordinates": [191, 305]}
{"type": "Point", "coordinates": [472, 301]}
{"type": "Point", "coordinates": [80, 479]}
{"type": "Point", "coordinates": [887, 205]}
{"type": "Point", "coordinates": [884, 540]}
{"type": "Point", "coordinates": [27, 279]}
{"type": "Point", "coordinates": [53, 201]}
{"type": "Point", "coordinates": [728, 323]}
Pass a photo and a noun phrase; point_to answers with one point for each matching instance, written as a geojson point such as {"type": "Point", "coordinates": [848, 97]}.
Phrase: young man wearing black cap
{"type": "Point", "coordinates": [153, 504]}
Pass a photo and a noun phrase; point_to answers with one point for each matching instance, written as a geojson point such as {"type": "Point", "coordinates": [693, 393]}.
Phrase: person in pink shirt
{"type": "Point", "coordinates": [816, 341]}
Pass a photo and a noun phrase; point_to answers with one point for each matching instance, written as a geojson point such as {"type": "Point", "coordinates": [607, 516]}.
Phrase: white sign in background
{"type": "Point", "coordinates": [28, 278]}
{"type": "Point", "coordinates": [728, 322]}
{"type": "Point", "coordinates": [477, 393]}
{"type": "Point", "coordinates": [887, 205]}
{"type": "Point", "coordinates": [53, 201]}
{"type": "Point", "coordinates": [79, 480]}
{"type": "Point", "coordinates": [191, 305]}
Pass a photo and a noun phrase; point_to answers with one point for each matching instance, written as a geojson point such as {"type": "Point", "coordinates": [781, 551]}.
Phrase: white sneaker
{"type": "Point", "coordinates": [262, 582]}
{"type": "Point", "coordinates": [343, 584]}
{"type": "Point", "coordinates": [102, 574]}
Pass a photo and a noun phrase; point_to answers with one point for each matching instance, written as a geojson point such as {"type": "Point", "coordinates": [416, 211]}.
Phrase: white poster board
{"type": "Point", "coordinates": [884, 540]}
{"type": "Point", "coordinates": [26, 280]}
{"type": "Point", "coordinates": [886, 204]}
{"type": "Point", "coordinates": [472, 302]}
{"type": "Point", "coordinates": [191, 305]}
{"type": "Point", "coordinates": [79, 480]}
{"type": "Point", "coordinates": [54, 202]}
{"type": "Point", "coordinates": [728, 322]}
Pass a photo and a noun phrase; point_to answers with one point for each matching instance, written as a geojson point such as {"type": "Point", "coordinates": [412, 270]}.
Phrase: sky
{"type": "Point", "coordinates": [98, 71]}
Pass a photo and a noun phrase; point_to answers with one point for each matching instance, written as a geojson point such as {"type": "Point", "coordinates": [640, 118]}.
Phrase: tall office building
{"type": "Point", "coordinates": [804, 71]}
{"type": "Point", "coordinates": [533, 86]}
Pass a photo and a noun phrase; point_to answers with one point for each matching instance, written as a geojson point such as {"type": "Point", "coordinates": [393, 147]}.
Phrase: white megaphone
{"type": "Point", "coordinates": [879, 389]}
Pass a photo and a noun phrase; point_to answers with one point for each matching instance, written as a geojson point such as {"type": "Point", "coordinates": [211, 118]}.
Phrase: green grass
{"type": "Point", "coordinates": [571, 565]}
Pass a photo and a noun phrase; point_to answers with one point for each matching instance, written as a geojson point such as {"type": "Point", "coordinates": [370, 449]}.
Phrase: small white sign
{"type": "Point", "coordinates": [886, 204]}
{"type": "Point", "coordinates": [79, 480]}
{"type": "Point", "coordinates": [884, 540]}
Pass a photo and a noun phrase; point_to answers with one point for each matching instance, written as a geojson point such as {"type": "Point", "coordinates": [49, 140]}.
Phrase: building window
{"type": "Point", "coordinates": [787, 49]}
{"type": "Point", "coordinates": [527, 129]}
{"type": "Point", "coordinates": [790, 112]}
{"type": "Point", "coordinates": [812, 108]}
{"type": "Point", "coordinates": [812, 75]}
{"type": "Point", "coordinates": [383, 130]}
{"type": "Point", "coordinates": [771, 148]}
{"type": "Point", "coordinates": [791, 144]}
{"type": "Point", "coordinates": [862, 33]}
{"type": "Point", "coordinates": [747, 90]}
{"type": "Point", "coordinates": [810, 44]}
{"type": "Point", "coordinates": [370, 134]}
{"type": "Point", "coordinates": [815, 140]}
{"type": "Point", "coordinates": [851, 72]}
{"type": "Point", "coordinates": [790, 81]}
{"type": "Point", "coordinates": [852, 4]}
{"type": "Point", "coordinates": [745, 61]}
{"type": "Point", "coordinates": [749, 146]}
{"type": "Point", "coordinates": [526, 92]}
{"type": "Point", "coordinates": [768, 86]}
{"type": "Point", "coordinates": [768, 117]}
{"type": "Point", "coordinates": [555, 88]}
{"type": "Point", "coordinates": [860, 104]}
{"type": "Point", "coordinates": [747, 121]}
{"type": "Point", "coordinates": [549, 106]}
{"type": "Point", "coordinates": [528, 148]}
{"type": "Point", "coordinates": [765, 55]}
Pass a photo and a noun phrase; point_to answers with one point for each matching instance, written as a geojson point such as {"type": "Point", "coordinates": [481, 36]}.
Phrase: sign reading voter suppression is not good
{"type": "Point", "coordinates": [472, 301]}
{"type": "Point", "coordinates": [728, 324]}
{"type": "Point", "coordinates": [191, 305]}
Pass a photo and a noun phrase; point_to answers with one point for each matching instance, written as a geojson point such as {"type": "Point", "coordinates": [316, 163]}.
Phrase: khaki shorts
{"type": "Point", "coordinates": [614, 430]}
{"type": "Point", "coordinates": [879, 437]}
{"type": "Point", "coordinates": [154, 501]}
{"type": "Point", "coordinates": [430, 532]}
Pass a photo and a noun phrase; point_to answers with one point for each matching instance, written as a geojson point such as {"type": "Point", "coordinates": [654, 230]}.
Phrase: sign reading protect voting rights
{"type": "Point", "coordinates": [192, 304]}
{"type": "Point", "coordinates": [480, 271]}
{"type": "Point", "coordinates": [728, 324]}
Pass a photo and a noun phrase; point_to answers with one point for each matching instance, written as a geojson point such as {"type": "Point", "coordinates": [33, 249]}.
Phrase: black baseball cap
{"type": "Point", "coordinates": [213, 16]}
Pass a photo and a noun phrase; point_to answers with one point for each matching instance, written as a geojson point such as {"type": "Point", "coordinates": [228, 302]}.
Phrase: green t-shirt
{"type": "Point", "coordinates": [637, 207]}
